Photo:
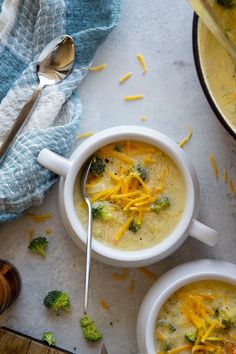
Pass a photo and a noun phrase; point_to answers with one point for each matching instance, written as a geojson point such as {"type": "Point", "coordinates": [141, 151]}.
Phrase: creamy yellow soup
{"type": "Point", "coordinates": [138, 196]}
{"type": "Point", "coordinates": [200, 317]}
{"type": "Point", "coordinates": [218, 69]}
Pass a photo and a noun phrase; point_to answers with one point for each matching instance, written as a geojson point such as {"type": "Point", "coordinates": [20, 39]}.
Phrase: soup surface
{"type": "Point", "coordinates": [200, 317]}
{"type": "Point", "coordinates": [137, 195]}
{"type": "Point", "coordinates": [218, 69]}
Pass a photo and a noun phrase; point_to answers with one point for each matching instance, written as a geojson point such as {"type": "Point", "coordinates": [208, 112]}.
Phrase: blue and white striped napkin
{"type": "Point", "coordinates": [26, 26]}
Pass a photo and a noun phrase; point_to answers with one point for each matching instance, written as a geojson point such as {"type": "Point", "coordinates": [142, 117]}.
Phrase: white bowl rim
{"type": "Point", "coordinates": [153, 137]}
{"type": "Point", "coordinates": [174, 279]}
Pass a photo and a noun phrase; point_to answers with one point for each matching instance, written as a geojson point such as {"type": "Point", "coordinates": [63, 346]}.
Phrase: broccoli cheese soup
{"type": "Point", "coordinates": [218, 69]}
{"type": "Point", "coordinates": [200, 317]}
{"type": "Point", "coordinates": [137, 195]}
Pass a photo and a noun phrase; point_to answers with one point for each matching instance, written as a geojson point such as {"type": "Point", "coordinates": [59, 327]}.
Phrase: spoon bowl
{"type": "Point", "coordinates": [56, 60]}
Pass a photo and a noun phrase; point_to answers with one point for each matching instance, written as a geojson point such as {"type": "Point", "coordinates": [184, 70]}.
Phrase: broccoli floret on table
{"type": "Point", "coordinates": [39, 245]}
{"type": "Point", "coordinates": [134, 226]}
{"type": "Point", "coordinates": [101, 211]}
{"type": "Point", "coordinates": [49, 337]}
{"type": "Point", "coordinates": [90, 331]}
{"type": "Point", "coordinates": [226, 3]}
{"type": "Point", "coordinates": [160, 204]}
{"type": "Point", "coordinates": [97, 166]}
{"type": "Point", "coordinates": [57, 300]}
{"type": "Point", "coordinates": [142, 172]}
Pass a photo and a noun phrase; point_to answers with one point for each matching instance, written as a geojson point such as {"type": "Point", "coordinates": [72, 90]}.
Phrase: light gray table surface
{"type": "Point", "coordinates": [161, 31]}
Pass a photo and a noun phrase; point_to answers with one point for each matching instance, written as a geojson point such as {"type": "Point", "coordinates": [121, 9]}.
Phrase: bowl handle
{"type": "Point", "coordinates": [54, 162]}
{"type": "Point", "coordinates": [203, 233]}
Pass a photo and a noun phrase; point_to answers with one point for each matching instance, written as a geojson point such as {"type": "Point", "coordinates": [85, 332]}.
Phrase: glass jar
{"type": "Point", "coordinates": [10, 284]}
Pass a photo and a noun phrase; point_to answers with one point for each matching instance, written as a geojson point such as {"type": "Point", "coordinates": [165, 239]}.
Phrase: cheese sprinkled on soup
{"type": "Point", "coordinates": [200, 317]}
{"type": "Point", "coordinates": [137, 195]}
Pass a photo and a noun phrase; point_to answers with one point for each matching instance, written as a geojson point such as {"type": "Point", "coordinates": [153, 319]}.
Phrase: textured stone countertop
{"type": "Point", "coordinates": [161, 31]}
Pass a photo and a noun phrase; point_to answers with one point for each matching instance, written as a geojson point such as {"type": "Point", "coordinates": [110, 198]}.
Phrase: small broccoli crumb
{"type": "Point", "coordinates": [57, 300]}
{"type": "Point", "coordinates": [49, 337]}
{"type": "Point", "coordinates": [142, 172]}
{"type": "Point", "coordinates": [165, 347]}
{"type": "Point", "coordinates": [134, 226]}
{"type": "Point", "coordinates": [101, 211]}
{"type": "Point", "coordinates": [90, 331]}
{"type": "Point", "coordinates": [39, 245]}
{"type": "Point", "coordinates": [191, 337]}
{"type": "Point", "coordinates": [226, 3]}
{"type": "Point", "coordinates": [160, 204]}
{"type": "Point", "coordinates": [97, 166]}
{"type": "Point", "coordinates": [118, 148]}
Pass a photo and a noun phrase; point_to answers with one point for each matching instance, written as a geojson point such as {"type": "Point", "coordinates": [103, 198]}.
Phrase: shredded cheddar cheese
{"type": "Point", "coordinates": [187, 138]}
{"type": "Point", "coordinates": [225, 175]}
{"type": "Point", "coordinates": [123, 228]}
{"type": "Point", "coordinates": [214, 165]}
{"type": "Point", "coordinates": [121, 277]}
{"type": "Point", "coordinates": [143, 118]}
{"type": "Point", "coordinates": [48, 231]}
{"type": "Point", "coordinates": [134, 97]}
{"type": "Point", "coordinates": [204, 348]}
{"type": "Point", "coordinates": [104, 304]}
{"type": "Point", "coordinates": [131, 286]}
{"type": "Point", "coordinates": [125, 77]}
{"type": "Point", "coordinates": [180, 349]}
{"type": "Point", "coordinates": [150, 275]}
{"type": "Point", "coordinates": [31, 234]}
{"type": "Point", "coordinates": [142, 63]}
{"type": "Point", "coordinates": [38, 218]}
{"type": "Point", "coordinates": [97, 68]}
{"type": "Point", "coordinates": [231, 186]}
{"type": "Point", "coordinates": [84, 135]}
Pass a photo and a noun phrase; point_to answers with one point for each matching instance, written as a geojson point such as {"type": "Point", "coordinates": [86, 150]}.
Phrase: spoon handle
{"type": "Point", "coordinates": [88, 257]}
{"type": "Point", "coordinates": [19, 122]}
{"type": "Point", "coordinates": [207, 15]}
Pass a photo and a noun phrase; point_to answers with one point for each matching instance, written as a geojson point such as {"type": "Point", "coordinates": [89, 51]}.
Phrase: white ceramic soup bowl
{"type": "Point", "coordinates": [169, 283]}
{"type": "Point", "coordinates": [68, 169]}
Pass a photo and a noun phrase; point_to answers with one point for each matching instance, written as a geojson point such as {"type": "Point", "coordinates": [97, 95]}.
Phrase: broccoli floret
{"type": "Point", "coordinates": [90, 331]}
{"type": "Point", "coordinates": [101, 211]}
{"type": "Point", "coordinates": [49, 337]}
{"type": "Point", "coordinates": [118, 147]}
{"type": "Point", "coordinates": [39, 245]}
{"type": "Point", "coordinates": [165, 347]}
{"type": "Point", "coordinates": [226, 3]}
{"type": "Point", "coordinates": [57, 300]}
{"type": "Point", "coordinates": [142, 172]}
{"type": "Point", "coordinates": [166, 325]}
{"type": "Point", "coordinates": [191, 337]}
{"type": "Point", "coordinates": [134, 226]}
{"type": "Point", "coordinates": [97, 166]}
{"type": "Point", "coordinates": [229, 322]}
{"type": "Point", "coordinates": [160, 204]}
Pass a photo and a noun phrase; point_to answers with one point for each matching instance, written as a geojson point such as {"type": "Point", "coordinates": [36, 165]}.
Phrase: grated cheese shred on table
{"type": "Point", "coordinates": [84, 135]}
{"type": "Point", "coordinates": [133, 97]}
{"type": "Point", "coordinates": [187, 138]}
{"type": "Point", "coordinates": [125, 77]}
{"type": "Point", "coordinates": [214, 165]}
{"type": "Point", "coordinates": [97, 68]}
{"type": "Point", "coordinates": [142, 63]}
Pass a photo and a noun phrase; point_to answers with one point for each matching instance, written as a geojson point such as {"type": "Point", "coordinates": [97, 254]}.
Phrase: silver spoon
{"type": "Point", "coordinates": [207, 15]}
{"type": "Point", "coordinates": [84, 177]}
{"type": "Point", "coordinates": [54, 64]}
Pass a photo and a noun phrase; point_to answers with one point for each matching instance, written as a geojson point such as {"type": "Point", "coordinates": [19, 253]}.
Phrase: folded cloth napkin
{"type": "Point", "coordinates": [26, 26]}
